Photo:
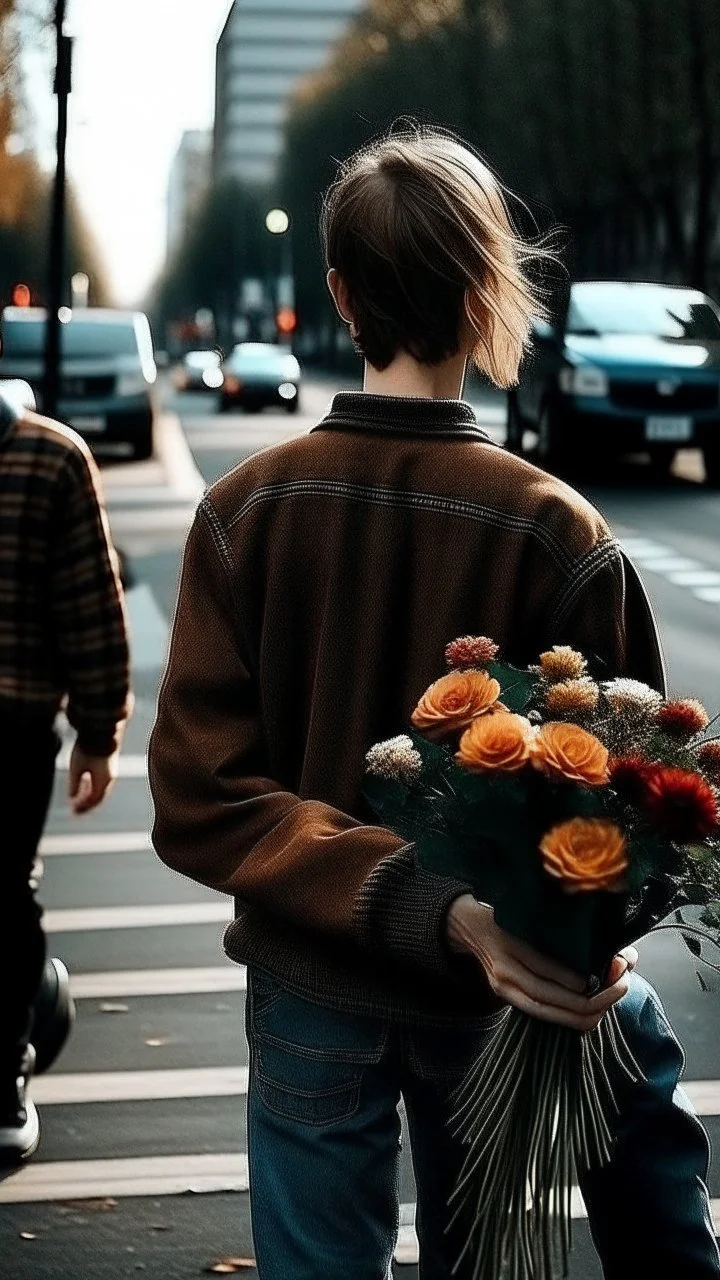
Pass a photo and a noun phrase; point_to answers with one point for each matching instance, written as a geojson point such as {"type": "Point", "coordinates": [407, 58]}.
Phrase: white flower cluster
{"type": "Point", "coordinates": [632, 696]}
{"type": "Point", "coordinates": [396, 758]}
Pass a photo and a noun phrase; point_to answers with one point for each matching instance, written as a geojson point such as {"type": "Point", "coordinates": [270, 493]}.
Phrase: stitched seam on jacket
{"type": "Point", "coordinates": [427, 501]}
{"type": "Point", "coordinates": [602, 555]}
{"type": "Point", "coordinates": [217, 532]}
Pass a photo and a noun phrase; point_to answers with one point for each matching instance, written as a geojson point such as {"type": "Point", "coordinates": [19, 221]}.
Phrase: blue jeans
{"type": "Point", "coordinates": [324, 1146]}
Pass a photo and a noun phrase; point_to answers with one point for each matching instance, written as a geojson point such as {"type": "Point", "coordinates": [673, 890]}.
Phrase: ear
{"type": "Point", "coordinates": [339, 294]}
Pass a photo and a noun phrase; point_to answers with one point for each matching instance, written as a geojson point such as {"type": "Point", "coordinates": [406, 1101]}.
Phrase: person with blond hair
{"type": "Point", "coordinates": [322, 580]}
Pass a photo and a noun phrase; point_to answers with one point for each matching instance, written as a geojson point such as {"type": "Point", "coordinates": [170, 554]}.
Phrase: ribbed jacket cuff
{"type": "Point", "coordinates": [401, 911]}
{"type": "Point", "coordinates": [98, 742]}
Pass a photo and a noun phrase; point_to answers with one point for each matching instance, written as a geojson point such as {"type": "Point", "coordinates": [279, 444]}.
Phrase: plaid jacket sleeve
{"type": "Point", "coordinates": [89, 623]}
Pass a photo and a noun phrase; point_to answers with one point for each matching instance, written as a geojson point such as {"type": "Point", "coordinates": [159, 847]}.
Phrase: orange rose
{"type": "Point", "coordinates": [453, 701]}
{"type": "Point", "coordinates": [586, 853]}
{"type": "Point", "coordinates": [564, 751]}
{"type": "Point", "coordinates": [501, 741]}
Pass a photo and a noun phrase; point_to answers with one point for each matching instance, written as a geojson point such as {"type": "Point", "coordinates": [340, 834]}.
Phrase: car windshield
{"type": "Point", "coordinates": [642, 309]}
{"type": "Point", "coordinates": [26, 338]}
{"type": "Point", "coordinates": [258, 357]}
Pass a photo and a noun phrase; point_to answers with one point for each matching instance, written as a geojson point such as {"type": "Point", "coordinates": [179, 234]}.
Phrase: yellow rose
{"type": "Point", "coordinates": [453, 701]}
{"type": "Point", "coordinates": [565, 751]}
{"type": "Point", "coordinates": [497, 742]}
{"type": "Point", "coordinates": [586, 853]}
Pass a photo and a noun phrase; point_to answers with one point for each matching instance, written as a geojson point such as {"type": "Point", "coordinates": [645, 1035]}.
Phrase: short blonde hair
{"type": "Point", "coordinates": [419, 229]}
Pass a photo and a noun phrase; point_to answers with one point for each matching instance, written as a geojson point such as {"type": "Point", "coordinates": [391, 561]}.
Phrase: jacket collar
{"type": "Point", "coordinates": [402, 415]}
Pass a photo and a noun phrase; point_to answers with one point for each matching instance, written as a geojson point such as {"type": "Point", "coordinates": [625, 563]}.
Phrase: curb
{"type": "Point", "coordinates": [184, 481]}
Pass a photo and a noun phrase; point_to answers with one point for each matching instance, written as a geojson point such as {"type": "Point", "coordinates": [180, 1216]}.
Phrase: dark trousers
{"type": "Point", "coordinates": [26, 783]}
{"type": "Point", "coordinates": [323, 1146]}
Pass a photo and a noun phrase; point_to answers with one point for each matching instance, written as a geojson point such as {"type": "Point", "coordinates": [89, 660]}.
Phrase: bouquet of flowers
{"type": "Point", "coordinates": [586, 811]}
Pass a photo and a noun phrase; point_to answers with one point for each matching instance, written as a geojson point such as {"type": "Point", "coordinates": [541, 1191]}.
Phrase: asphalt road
{"type": "Point", "coordinates": [141, 1165]}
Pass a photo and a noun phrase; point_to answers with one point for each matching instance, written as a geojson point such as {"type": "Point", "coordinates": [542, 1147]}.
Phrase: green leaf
{"type": "Point", "coordinates": [517, 686]}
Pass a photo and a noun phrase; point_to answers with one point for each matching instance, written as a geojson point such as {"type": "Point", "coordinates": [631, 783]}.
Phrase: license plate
{"type": "Point", "coordinates": [674, 429]}
{"type": "Point", "coordinates": [92, 426]}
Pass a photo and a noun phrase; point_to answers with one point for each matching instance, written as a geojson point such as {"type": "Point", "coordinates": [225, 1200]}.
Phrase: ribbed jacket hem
{"type": "Point", "coordinates": [340, 976]}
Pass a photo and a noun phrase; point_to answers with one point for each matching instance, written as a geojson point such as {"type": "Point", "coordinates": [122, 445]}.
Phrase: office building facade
{"type": "Point", "coordinates": [265, 48]}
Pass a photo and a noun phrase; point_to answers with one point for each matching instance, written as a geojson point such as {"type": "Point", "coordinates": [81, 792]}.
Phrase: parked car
{"type": "Point", "coordinates": [634, 367]}
{"type": "Point", "coordinates": [199, 371]}
{"type": "Point", "coordinates": [257, 374]}
{"type": "Point", "coordinates": [107, 371]}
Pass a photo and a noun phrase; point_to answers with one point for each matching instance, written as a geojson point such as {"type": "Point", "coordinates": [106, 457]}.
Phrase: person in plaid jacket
{"type": "Point", "coordinates": [63, 646]}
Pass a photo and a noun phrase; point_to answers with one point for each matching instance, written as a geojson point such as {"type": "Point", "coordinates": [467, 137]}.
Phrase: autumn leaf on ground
{"type": "Point", "coordinates": [103, 1205]}
{"type": "Point", "coordinates": [229, 1266]}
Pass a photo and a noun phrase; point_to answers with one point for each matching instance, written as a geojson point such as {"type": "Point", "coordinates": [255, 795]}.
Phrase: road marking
{"type": "Point", "coordinates": [148, 629]}
{"type": "Point", "coordinates": [89, 919]}
{"type": "Point", "coordinates": [139, 1086]}
{"type": "Point", "coordinates": [696, 578]}
{"type": "Point", "coordinates": [158, 982]}
{"type": "Point", "coordinates": [62, 1180]}
{"type": "Point", "coordinates": [217, 1082]}
{"type": "Point", "coordinates": [680, 570]}
{"type": "Point", "coordinates": [134, 520]}
{"type": "Point", "coordinates": [143, 1176]}
{"type": "Point", "coordinates": [129, 766]}
{"type": "Point", "coordinates": [82, 842]}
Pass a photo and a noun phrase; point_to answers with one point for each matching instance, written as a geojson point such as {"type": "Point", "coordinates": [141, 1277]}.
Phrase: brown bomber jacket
{"type": "Point", "coordinates": [321, 581]}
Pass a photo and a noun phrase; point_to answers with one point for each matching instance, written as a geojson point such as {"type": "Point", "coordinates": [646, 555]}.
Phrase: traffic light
{"type": "Point", "coordinates": [286, 320]}
{"type": "Point", "coordinates": [21, 296]}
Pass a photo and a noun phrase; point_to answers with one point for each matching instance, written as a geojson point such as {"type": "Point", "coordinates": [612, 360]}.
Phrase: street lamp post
{"type": "Point", "coordinates": [56, 272]}
{"type": "Point", "coordinates": [277, 222]}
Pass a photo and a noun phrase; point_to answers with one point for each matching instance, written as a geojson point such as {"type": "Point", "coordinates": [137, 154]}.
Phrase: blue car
{"type": "Point", "coordinates": [633, 368]}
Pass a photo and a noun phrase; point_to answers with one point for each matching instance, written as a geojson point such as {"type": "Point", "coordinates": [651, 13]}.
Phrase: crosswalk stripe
{"type": "Point", "coordinates": [158, 982]}
{"type": "Point", "coordinates": [60, 1180]}
{"type": "Point", "coordinates": [129, 766]}
{"type": "Point", "coordinates": [139, 1086]}
{"type": "Point", "coordinates": [215, 1082]}
{"type": "Point", "coordinates": [88, 919]}
{"type": "Point", "coordinates": [142, 1176]}
{"type": "Point", "coordinates": [78, 842]}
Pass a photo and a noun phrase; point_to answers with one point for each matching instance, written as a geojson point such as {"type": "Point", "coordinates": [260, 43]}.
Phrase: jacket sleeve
{"type": "Point", "coordinates": [604, 611]}
{"type": "Point", "coordinates": [222, 821]}
{"type": "Point", "coordinates": [89, 625]}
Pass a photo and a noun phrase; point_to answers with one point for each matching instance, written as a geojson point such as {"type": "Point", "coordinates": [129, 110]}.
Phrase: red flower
{"type": "Point", "coordinates": [708, 758]}
{"type": "Point", "coordinates": [680, 804]}
{"type": "Point", "coordinates": [628, 776]}
{"type": "Point", "coordinates": [470, 651]}
{"type": "Point", "coordinates": [682, 719]}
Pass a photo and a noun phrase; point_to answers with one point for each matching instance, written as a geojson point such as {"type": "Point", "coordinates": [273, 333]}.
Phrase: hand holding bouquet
{"type": "Point", "coordinates": [584, 812]}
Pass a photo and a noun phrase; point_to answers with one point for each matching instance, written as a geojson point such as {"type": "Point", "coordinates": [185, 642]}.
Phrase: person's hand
{"type": "Point", "coordinates": [90, 778]}
{"type": "Point", "coordinates": [528, 980]}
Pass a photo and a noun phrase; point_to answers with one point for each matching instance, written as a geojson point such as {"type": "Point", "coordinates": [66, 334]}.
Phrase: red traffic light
{"type": "Point", "coordinates": [21, 296]}
{"type": "Point", "coordinates": [286, 320]}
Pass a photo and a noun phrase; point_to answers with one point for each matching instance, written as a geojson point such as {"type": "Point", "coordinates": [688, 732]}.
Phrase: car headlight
{"type": "Point", "coordinates": [287, 390]}
{"type": "Point", "coordinates": [131, 384]}
{"type": "Point", "coordinates": [583, 380]}
{"type": "Point", "coordinates": [212, 378]}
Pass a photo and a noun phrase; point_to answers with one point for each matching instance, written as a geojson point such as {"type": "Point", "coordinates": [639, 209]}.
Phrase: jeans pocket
{"type": "Point", "coordinates": [309, 1060]}
{"type": "Point", "coordinates": [306, 1090]}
